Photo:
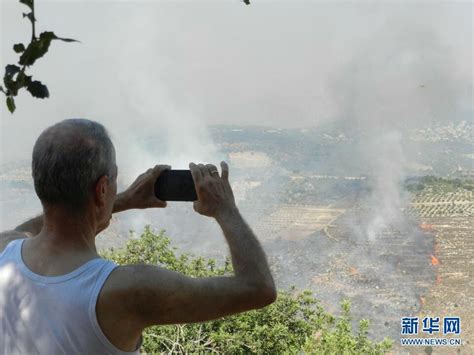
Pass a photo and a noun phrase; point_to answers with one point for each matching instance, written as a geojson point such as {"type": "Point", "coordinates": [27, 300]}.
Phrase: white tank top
{"type": "Point", "coordinates": [51, 315]}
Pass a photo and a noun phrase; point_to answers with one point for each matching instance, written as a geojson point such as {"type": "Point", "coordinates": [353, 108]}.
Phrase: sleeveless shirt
{"type": "Point", "coordinates": [51, 314]}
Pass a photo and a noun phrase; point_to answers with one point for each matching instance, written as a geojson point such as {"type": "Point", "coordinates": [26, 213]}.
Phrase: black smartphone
{"type": "Point", "coordinates": [175, 185]}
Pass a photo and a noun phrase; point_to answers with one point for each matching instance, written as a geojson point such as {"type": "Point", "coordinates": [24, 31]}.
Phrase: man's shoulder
{"type": "Point", "coordinates": [131, 288]}
{"type": "Point", "coordinates": [121, 280]}
{"type": "Point", "coordinates": [116, 305]}
{"type": "Point", "coordinates": [8, 236]}
{"type": "Point", "coordinates": [118, 284]}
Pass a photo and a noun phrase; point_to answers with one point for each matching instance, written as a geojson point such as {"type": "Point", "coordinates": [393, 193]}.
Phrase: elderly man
{"type": "Point", "coordinates": [58, 296]}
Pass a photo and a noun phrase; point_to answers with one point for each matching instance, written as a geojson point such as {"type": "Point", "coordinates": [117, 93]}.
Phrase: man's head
{"type": "Point", "coordinates": [74, 168]}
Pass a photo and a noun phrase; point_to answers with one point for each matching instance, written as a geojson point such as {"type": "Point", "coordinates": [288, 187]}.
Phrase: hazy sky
{"type": "Point", "coordinates": [144, 67]}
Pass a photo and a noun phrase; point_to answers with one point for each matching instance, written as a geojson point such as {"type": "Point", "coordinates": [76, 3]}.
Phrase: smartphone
{"type": "Point", "coordinates": [175, 185]}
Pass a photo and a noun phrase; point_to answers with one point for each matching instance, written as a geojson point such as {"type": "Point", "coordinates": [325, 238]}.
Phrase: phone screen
{"type": "Point", "coordinates": [175, 185]}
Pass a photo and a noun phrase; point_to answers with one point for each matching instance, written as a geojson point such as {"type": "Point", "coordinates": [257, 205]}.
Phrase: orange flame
{"type": "Point", "coordinates": [434, 260]}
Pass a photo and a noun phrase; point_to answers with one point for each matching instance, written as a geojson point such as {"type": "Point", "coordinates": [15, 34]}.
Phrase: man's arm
{"type": "Point", "coordinates": [140, 194]}
{"type": "Point", "coordinates": [154, 295]}
{"type": "Point", "coordinates": [248, 258]}
{"type": "Point", "coordinates": [27, 229]}
{"type": "Point", "coordinates": [34, 225]}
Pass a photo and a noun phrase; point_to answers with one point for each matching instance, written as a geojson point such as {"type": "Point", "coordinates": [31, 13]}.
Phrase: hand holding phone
{"type": "Point", "coordinates": [215, 196]}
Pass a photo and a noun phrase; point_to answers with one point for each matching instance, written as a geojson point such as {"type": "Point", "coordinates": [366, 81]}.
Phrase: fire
{"type": "Point", "coordinates": [434, 260]}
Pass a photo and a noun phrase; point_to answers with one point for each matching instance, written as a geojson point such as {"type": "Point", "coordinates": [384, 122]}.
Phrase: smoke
{"type": "Point", "coordinates": [388, 173]}
{"type": "Point", "coordinates": [155, 74]}
{"type": "Point", "coordinates": [160, 129]}
{"type": "Point", "coordinates": [400, 79]}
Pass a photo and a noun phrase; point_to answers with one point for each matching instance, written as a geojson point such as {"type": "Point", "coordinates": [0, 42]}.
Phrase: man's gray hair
{"type": "Point", "coordinates": [68, 159]}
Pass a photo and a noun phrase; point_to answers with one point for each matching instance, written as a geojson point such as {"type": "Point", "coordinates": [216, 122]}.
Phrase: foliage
{"type": "Point", "coordinates": [437, 184]}
{"type": "Point", "coordinates": [15, 77]}
{"type": "Point", "coordinates": [294, 323]}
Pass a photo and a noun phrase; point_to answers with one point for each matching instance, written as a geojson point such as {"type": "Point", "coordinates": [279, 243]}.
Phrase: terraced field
{"type": "Point", "coordinates": [458, 203]}
{"type": "Point", "coordinates": [295, 222]}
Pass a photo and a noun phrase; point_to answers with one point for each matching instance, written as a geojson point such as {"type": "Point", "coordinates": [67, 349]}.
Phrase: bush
{"type": "Point", "coordinates": [294, 323]}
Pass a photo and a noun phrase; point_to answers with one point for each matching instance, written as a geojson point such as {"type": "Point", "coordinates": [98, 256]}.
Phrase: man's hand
{"type": "Point", "coordinates": [141, 194]}
{"type": "Point", "coordinates": [215, 196]}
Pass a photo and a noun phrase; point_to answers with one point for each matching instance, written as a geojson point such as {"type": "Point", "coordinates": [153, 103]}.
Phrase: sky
{"type": "Point", "coordinates": [173, 67]}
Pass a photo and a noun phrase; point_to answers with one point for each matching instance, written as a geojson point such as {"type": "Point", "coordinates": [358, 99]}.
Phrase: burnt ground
{"type": "Point", "coordinates": [385, 278]}
{"type": "Point", "coordinates": [425, 269]}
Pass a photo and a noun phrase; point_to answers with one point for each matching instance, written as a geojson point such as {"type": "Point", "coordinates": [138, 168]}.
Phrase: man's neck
{"type": "Point", "coordinates": [68, 233]}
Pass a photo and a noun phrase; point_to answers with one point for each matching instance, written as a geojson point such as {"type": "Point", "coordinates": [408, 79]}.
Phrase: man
{"type": "Point", "coordinates": [58, 296]}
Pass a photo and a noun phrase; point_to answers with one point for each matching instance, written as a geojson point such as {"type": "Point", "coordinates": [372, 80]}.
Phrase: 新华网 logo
{"type": "Point", "coordinates": [432, 326]}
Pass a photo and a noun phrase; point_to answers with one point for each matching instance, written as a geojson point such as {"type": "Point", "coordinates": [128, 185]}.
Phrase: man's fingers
{"type": "Point", "coordinates": [160, 203]}
{"type": "Point", "coordinates": [158, 169]}
{"type": "Point", "coordinates": [203, 170]}
{"type": "Point", "coordinates": [195, 172]}
{"type": "Point", "coordinates": [212, 170]}
{"type": "Point", "coordinates": [225, 170]}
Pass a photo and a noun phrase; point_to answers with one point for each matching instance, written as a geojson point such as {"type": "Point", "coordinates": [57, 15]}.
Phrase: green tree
{"type": "Point", "coordinates": [295, 323]}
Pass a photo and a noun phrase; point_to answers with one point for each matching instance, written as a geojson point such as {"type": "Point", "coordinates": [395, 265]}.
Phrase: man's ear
{"type": "Point", "coordinates": [100, 191]}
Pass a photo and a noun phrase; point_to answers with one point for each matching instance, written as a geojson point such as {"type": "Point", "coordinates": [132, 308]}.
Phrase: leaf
{"type": "Point", "coordinates": [10, 84]}
{"type": "Point", "coordinates": [39, 47]}
{"type": "Point", "coordinates": [22, 80]}
{"type": "Point", "coordinates": [50, 36]}
{"type": "Point", "coordinates": [37, 89]}
{"type": "Point", "coordinates": [67, 39]}
{"type": "Point", "coordinates": [28, 3]}
{"type": "Point", "coordinates": [36, 49]}
{"type": "Point", "coordinates": [30, 17]}
{"type": "Point", "coordinates": [11, 104]}
{"type": "Point", "coordinates": [11, 70]}
{"type": "Point", "coordinates": [19, 47]}
{"type": "Point", "coordinates": [13, 85]}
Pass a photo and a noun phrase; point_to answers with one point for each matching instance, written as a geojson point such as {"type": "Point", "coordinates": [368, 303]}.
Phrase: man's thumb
{"type": "Point", "coordinates": [160, 203]}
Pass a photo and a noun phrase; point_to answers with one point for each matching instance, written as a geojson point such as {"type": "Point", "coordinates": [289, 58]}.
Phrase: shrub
{"type": "Point", "coordinates": [294, 323]}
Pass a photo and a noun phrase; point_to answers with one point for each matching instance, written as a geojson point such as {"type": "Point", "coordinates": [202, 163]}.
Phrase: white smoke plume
{"type": "Point", "coordinates": [399, 79]}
